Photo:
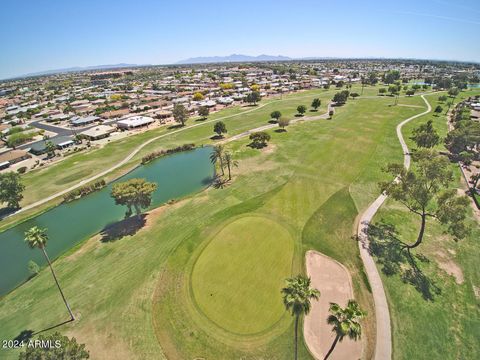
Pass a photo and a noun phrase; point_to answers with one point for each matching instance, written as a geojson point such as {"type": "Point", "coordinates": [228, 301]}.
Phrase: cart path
{"type": "Point", "coordinates": [383, 340]}
{"type": "Point", "coordinates": [140, 147]}
{"type": "Point", "coordinates": [128, 158]}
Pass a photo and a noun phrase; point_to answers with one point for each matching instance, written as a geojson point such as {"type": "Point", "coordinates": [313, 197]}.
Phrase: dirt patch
{"type": "Point", "coordinates": [100, 344]}
{"type": "Point", "coordinates": [153, 215]}
{"type": "Point", "coordinates": [449, 266]}
{"type": "Point", "coordinates": [90, 244]}
{"type": "Point", "coordinates": [476, 291]}
{"type": "Point", "coordinates": [269, 149]}
{"type": "Point", "coordinates": [335, 285]}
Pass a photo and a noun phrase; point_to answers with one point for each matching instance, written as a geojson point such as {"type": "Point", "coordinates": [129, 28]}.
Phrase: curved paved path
{"type": "Point", "coordinates": [383, 341]}
{"type": "Point", "coordinates": [140, 147]}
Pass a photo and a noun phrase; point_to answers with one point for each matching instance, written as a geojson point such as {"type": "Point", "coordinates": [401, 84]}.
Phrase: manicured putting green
{"type": "Point", "coordinates": [237, 279]}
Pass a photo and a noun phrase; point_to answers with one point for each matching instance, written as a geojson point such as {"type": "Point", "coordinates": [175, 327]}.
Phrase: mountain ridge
{"type": "Point", "coordinates": [232, 58]}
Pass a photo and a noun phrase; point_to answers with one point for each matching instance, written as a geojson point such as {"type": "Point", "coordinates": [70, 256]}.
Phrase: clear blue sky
{"type": "Point", "coordinates": [39, 35]}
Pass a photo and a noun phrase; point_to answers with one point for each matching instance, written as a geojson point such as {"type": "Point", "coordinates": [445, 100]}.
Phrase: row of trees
{"type": "Point", "coordinates": [341, 97]}
{"type": "Point", "coordinates": [297, 296]}
{"type": "Point", "coordinates": [463, 141]}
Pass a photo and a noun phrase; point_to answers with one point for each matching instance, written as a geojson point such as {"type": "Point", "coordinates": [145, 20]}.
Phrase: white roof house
{"type": "Point", "coordinates": [98, 132]}
{"type": "Point", "coordinates": [134, 122]}
{"type": "Point", "coordinates": [225, 100]}
{"type": "Point", "coordinates": [207, 103]}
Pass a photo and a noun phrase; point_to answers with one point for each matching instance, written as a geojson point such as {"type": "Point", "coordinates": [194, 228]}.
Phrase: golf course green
{"type": "Point", "coordinates": [237, 278]}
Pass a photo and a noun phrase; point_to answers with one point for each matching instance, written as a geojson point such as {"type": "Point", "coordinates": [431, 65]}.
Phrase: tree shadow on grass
{"type": "Point", "coordinates": [272, 121]}
{"type": "Point", "coordinates": [176, 126]}
{"type": "Point", "coordinates": [53, 327]}
{"type": "Point", "coordinates": [216, 137]}
{"type": "Point", "coordinates": [254, 145]}
{"type": "Point", "coordinates": [395, 259]}
{"type": "Point", "coordinates": [6, 211]}
{"type": "Point", "coordinates": [26, 335]}
{"type": "Point", "coordinates": [220, 182]}
{"type": "Point", "coordinates": [125, 227]}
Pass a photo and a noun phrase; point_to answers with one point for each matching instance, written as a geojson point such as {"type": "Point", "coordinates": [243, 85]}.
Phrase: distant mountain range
{"type": "Point", "coordinates": [232, 58]}
{"type": "Point", "coordinates": [80, 68]}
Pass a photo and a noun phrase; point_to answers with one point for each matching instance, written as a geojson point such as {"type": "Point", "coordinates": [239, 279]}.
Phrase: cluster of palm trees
{"type": "Point", "coordinates": [224, 160]}
{"type": "Point", "coordinates": [297, 296]}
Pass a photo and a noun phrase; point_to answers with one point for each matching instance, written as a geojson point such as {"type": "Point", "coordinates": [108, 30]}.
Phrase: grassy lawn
{"type": "Point", "coordinates": [446, 326]}
{"type": "Point", "coordinates": [147, 295]}
{"type": "Point", "coordinates": [44, 182]}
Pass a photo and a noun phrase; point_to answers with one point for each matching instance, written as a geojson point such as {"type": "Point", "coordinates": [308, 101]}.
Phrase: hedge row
{"type": "Point", "coordinates": [156, 154]}
{"type": "Point", "coordinates": [84, 190]}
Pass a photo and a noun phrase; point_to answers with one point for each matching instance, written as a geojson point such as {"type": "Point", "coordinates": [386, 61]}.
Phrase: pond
{"type": "Point", "coordinates": [177, 175]}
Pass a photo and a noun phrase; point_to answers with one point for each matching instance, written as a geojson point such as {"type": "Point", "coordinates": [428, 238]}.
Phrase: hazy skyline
{"type": "Point", "coordinates": [44, 35]}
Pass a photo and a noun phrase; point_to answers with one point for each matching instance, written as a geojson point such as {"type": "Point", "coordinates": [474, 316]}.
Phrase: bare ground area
{"type": "Point", "coordinates": [449, 266]}
{"type": "Point", "coordinates": [335, 285]}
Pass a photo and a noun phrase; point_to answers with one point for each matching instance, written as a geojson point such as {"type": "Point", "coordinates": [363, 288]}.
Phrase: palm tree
{"type": "Point", "coordinates": [217, 155]}
{"type": "Point", "coordinates": [229, 162]}
{"type": "Point", "coordinates": [37, 238]}
{"type": "Point", "coordinates": [296, 298]}
{"type": "Point", "coordinates": [346, 322]}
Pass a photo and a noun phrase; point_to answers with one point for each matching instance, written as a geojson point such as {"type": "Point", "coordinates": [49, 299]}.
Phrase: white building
{"type": "Point", "coordinates": [135, 122]}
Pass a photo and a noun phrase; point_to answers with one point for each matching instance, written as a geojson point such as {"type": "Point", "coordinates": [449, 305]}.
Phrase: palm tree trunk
{"type": "Point", "coordinates": [229, 172]}
{"type": "Point", "coordinates": [221, 166]}
{"type": "Point", "coordinates": [58, 285]}
{"type": "Point", "coordinates": [296, 337]}
{"type": "Point", "coordinates": [332, 347]}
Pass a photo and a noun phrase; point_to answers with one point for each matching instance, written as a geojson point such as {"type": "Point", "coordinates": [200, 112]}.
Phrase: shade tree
{"type": "Point", "coordinates": [275, 115]}
{"type": "Point", "coordinates": [203, 111]}
{"type": "Point", "coordinates": [259, 139]}
{"type": "Point", "coordinates": [180, 114]}
{"type": "Point", "coordinates": [425, 135]}
{"type": "Point", "coordinates": [56, 347]}
{"type": "Point", "coordinates": [11, 189]}
{"type": "Point", "coordinates": [220, 128]}
{"type": "Point", "coordinates": [301, 109]}
{"type": "Point", "coordinates": [135, 194]}
{"type": "Point", "coordinates": [424, 190]}
{"type": "Point", "coordinates": [283, 123]}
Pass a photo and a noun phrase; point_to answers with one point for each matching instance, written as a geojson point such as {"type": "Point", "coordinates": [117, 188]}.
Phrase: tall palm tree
{"type": "Point", "coordinates": [229, 163]}
{"type": "Point", "coordinates": [296, 298]}
{"type": "Point", "coordinates": [346, 322]}
{"type": "Point", "coordinates": [37, 238]}
{"type": "Point", "coordinates": [217, 155]}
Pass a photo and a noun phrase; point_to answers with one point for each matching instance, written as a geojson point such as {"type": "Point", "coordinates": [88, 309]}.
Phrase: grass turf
{"type": "Point", "coordinates": [135, 293]}
{"type": "Point", "coordinates": [237, 278]}
{"type": "Point", "coordinates": [446, 325]}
